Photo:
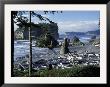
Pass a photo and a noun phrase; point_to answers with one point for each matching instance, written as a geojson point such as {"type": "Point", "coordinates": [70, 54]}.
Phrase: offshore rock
{"type": "Point", "coordinates": [64, 47]}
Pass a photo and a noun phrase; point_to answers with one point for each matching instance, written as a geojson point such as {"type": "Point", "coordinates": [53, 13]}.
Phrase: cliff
{"type": "Point", "coordinates": [37, 31]}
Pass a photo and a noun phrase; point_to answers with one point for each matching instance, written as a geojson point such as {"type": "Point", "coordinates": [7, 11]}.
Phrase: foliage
{"type": "Point", "coordinates": [89, 71]}
{"type": "Point", "coordinates": [20, 73]}
{"type": "Point", "coordinates": [23, 21]}
{"type": "Point", "coordinates": [75, 71]}
{"type": "Point", "coordinates": [47, 40]}
{"type": "Point", "coordinates": [37, 30]}
{"type": "Point", "coordinates": [41, 41]}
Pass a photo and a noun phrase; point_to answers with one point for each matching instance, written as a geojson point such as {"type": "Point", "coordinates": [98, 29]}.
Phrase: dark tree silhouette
{"type": "Point", "coordinates": [22, 21]}
{"type": "Point", "coordinates": [50, 41]}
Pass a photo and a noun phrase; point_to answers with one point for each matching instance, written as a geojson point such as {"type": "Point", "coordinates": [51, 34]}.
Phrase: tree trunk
{"type": "Point", "coordinates": [30, 53]}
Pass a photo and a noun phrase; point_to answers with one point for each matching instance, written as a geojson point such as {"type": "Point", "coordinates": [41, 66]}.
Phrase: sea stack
{"type": "Point", "coordinates": [64, 47]}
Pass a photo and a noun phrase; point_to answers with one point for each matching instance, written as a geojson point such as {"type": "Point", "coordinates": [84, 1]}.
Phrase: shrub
{"type": "Point", "coordinates": [75, 71]}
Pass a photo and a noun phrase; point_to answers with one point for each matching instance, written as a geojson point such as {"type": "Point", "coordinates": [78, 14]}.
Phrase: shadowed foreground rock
{"type": "Point", "coordinates": [64, 47]}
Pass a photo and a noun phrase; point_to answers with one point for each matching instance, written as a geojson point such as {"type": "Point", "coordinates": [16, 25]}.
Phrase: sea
{"type": "Point", "coordinates": [21, 49]}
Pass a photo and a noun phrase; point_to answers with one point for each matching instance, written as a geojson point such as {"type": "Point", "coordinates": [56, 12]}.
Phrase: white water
{"type": "Point", "coordinates": [21, 48]}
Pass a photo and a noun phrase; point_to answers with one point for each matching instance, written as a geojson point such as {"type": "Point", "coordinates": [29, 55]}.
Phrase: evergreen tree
{"type": "Point", "coordinates": [22, 21]}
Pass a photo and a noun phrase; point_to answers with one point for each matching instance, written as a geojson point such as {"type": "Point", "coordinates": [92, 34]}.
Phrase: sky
{"type": "Point", "coordinates": [72, 21]}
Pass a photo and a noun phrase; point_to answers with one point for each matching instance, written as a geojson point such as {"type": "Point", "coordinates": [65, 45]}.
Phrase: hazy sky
{"type": "Point", "coordinates": [76, 21]}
